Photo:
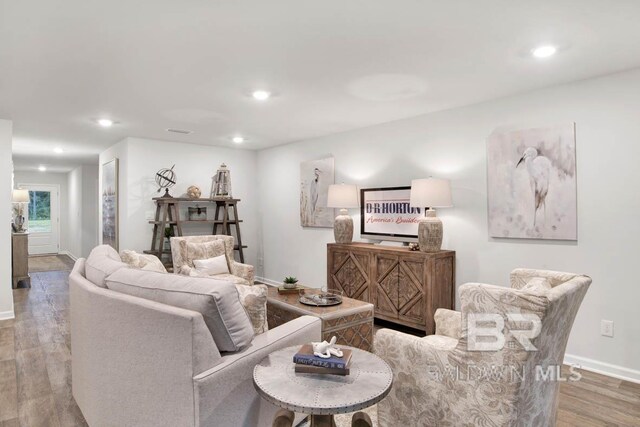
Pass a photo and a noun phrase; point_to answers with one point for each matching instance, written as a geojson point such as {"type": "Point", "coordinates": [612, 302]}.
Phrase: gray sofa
{"type": "Point", "coordinates": [137, 362]}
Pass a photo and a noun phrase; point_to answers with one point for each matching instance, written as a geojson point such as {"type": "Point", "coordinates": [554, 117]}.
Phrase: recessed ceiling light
{"type": "Point", "coordinates": [58, 150]}
{"type": "Point", "coordinates": [544, 51]}
{"type": "Point", "coordinates": [42, 168]}
{"type": "Point", "coordinates": [238, 139]}
{"type": "Point", "coordinates": [261, 95]}
{"type": "Point", "coordinates": [105, 123]}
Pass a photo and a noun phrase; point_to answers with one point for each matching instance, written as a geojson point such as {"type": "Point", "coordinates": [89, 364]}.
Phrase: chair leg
{"type": "Point", "coordinates": [361, 419]}
{"type": "Point", "coordinates": [283, 418]}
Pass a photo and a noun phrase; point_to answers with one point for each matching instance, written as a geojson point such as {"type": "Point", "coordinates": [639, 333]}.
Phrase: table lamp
{"type": "Point", "coordinates": [20, 197]}
{"type": "Point", "coordinates": [343, 196]}
{"type": "Point", "coordinates": [430, 193]}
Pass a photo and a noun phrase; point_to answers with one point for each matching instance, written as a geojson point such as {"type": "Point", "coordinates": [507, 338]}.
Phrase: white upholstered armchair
{"type": "Point", "coordinates": [184, 250]}
{"type": "Point", "coordinates": [447, 379]}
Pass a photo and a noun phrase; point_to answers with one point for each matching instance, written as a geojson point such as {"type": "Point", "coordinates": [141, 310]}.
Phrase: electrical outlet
{"type": "Point", "coordinates": [606, 328]}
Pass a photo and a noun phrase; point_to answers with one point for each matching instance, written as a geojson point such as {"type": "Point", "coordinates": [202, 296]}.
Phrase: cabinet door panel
{"type": "Point", "coordinates": [387, 272]}
{"type": "Point", "coordinates": [350, 274]}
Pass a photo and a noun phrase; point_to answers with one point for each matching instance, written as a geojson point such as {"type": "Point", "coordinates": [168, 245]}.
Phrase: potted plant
{"type": "Point", "coordinates": [168, 233]}
{"type": "Point", "coordinates": [290, 282]}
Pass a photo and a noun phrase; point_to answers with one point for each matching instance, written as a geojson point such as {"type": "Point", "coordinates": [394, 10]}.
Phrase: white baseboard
{"type": "Point", "coordinates": [603, 368]}
{"type": "Point", "coordinates": [6, 315]}
{"type": "Point", "coordinates": [69, 254]}
{"type": "Point", "coordinates": [267, 281]}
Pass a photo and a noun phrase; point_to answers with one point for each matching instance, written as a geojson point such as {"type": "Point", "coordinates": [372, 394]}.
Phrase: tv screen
{"type": "Point", "coordinates": [385, 214]}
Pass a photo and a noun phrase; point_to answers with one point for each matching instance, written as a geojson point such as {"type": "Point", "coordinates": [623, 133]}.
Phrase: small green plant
{"type": "Point", "coordinates": [290, 279]}
{"type": "Point", "coordinates": [168, 232]}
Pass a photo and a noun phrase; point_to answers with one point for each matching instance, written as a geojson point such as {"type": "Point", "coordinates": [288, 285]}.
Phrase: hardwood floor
{"type": "Point", "coordinates": [35, 369]}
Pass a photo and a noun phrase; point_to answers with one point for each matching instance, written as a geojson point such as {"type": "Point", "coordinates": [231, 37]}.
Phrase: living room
{"type": "Point", "coordinates": [529, 109]}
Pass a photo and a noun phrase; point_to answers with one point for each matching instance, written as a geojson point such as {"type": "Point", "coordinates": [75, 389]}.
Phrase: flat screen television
{"type": "Point", "coordinates": [385, 214]}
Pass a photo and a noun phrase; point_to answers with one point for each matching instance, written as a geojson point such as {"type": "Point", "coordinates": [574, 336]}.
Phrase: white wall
{"type": "Point", "coordinates": [140, 159]}
{"type": "Point", "coordinates": [6, 169]}
{"type": "Point", "coordinates": [49, 178]}
{"type": "Point", "coordinates": [83, 210]}
{"type": "Point", "coordinates": [452, 144]}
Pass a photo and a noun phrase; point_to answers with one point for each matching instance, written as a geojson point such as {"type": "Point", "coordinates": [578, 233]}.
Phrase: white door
{"type": "Point", "coordinates": [43, 222]}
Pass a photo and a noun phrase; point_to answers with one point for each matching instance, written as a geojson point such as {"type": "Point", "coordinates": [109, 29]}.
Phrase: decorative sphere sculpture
{"type": "Point", "coordinates": [166, 178]}
{"type": "Point", "coordinates": [193, 192]}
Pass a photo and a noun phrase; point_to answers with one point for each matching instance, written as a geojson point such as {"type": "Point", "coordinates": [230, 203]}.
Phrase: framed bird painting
{"type": "Point", "coordinates": [531, 183]}
{"type": "Point", "coordinates": [315, 178]}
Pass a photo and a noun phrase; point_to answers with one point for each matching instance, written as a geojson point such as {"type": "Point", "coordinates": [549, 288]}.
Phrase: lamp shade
{"type": "Point", "coordinates": [20, 196]}
{"type": "Point", "coordinates": [431, 193]}
{"type": "Point", "coordinates": [343, 196]}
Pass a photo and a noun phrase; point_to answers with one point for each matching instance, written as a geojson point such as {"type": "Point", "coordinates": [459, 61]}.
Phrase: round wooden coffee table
{"type": "Point", "coordinates": [322, 396]}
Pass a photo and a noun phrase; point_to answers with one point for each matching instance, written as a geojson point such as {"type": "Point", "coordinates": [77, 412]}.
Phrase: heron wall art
{"type": "Point", "coordinates": [531, 178]}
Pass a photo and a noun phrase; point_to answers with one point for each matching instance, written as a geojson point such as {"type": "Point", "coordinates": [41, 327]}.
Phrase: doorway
{"type": "Point", "coordinates": [43, 218]}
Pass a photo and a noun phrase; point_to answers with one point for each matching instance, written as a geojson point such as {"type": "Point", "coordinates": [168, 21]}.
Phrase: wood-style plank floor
{"type": "Point", "coordinates": [35, 369]}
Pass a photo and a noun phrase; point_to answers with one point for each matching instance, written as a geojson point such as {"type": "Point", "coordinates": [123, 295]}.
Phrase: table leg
{"type": "Point", "coordinates": [322, 421]}
{"type": "Point", "coordinates": [361, 419]}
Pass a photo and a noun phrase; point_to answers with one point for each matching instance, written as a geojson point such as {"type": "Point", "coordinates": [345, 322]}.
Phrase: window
{"type": "Point", "coordinates": [40, 211]}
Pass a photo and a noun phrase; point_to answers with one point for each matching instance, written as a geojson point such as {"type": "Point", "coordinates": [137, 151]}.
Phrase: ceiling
{"type": "Point", "coordinates": [332, 65]}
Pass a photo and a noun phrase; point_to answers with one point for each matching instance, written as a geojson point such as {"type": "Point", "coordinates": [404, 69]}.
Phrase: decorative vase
{"type": "Point", "coordinates": [430, 232]}
{"type": "Point", "coordinates": [343, 227]}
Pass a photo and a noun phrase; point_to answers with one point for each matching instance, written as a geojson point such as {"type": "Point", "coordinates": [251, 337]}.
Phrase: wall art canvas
{"type": "Point", "coordinates": [531, 180]}
{"type": "Point", "coordinates": [315, 178]}
{"type": "Point", "coordinates": [110, 203]}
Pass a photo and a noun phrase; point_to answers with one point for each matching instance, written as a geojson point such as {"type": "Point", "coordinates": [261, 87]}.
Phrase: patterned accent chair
{"type": "Point", "coordinates": [446, 380]}
{"type": "Point", "coordinates": [242, 274]}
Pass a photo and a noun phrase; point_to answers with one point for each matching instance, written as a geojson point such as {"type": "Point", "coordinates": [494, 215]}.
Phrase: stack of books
{"type": "Point", "coordinates": [308, 363]}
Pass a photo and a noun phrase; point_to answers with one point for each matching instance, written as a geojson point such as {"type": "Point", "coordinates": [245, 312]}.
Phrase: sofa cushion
{"type": "Point", "coordinates": [212, 266]}
{"type": "Point", "coordinates": [254, 301]}
{"type": "Point", "coordinates": [216, 300]}
{"type": "Point", "coordinates": [101, 262]}
{"type": "Point", "coordinates": [203, 250]}
{"type": "Point", "coordinates": [143, 261]}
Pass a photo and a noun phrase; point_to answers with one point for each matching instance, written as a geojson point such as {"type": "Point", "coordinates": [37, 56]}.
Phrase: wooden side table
{"type": "Point", "coordinates": [351, 322]}
{"type": "Point", "coordinates": [20, 260]}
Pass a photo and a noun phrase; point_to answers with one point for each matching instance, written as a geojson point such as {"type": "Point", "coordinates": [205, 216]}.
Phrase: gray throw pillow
{"type": "Point", "coordinates": [101, 262]}
{"type": "Point", "coordinates": [216, 300]}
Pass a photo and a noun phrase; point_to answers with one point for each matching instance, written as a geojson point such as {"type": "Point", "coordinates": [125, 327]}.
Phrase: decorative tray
{"type": "Point", "coordinates": [323, 299]}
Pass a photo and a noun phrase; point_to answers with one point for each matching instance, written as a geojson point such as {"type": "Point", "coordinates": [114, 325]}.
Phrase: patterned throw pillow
{"type": "Point", "coordinates": [204, 250]}
{"type": "Point", "coordinates": [537, 285]}
{"type": "Point", "coordinates": [143, 261]}
{"type": "Point", "coordinates": [254, 300]}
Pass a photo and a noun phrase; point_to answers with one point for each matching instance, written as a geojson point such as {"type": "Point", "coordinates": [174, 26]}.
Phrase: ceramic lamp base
{"type": "Point", "coordinates": [430, 232]}
{"type": "Point", "coordinates": [343, 227]}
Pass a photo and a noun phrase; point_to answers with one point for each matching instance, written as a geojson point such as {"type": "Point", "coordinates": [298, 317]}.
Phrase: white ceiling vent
{"type": "Point", "coordinates": [182, 131]}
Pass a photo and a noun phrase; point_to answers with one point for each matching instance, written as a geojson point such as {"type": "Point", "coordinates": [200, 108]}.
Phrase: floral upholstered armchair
{"type": "Point", "coordinates": [185, 250]}
{"type": "Point", "coordinates": [495, 363]}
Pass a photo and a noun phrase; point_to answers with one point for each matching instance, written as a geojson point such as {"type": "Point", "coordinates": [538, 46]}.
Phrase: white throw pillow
{"type": "Point", "coordinates": [212, 266]}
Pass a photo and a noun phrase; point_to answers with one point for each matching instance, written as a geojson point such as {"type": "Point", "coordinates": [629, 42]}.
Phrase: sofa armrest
{"type": "Point", "coordinates": [246, 271]}
{"type": "Point", "coordinates": [448, 323]}
{"type": "Point", "coordinates": [225, 394]}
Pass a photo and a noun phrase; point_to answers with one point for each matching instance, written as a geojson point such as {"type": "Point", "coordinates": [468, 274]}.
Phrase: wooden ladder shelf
{"type": "Point", "coordinates": [226, 221]}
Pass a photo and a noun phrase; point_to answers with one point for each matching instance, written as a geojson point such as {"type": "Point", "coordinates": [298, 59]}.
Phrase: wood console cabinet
{"type": "Point", "coordinates": [406, 287]}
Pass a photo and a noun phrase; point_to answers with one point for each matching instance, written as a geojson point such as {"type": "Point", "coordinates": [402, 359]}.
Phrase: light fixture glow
{"type": "Point", "coordinates": [58, 150]}
{"type": "Point", "coordinates": [544, 51]}
{"type": "Point", "coordinates": [105, 123]}
{"type": "Point", "coordinates": [42, 168]}
{"type": "Point", "coordinates": [238, 139]}
{"type": "Point", "coordinates": [261, 95]}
